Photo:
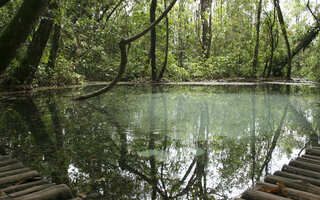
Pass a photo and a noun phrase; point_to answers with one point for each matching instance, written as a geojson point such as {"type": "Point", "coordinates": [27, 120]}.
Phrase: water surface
{"type": "Point", "coordinates": [161, 142]}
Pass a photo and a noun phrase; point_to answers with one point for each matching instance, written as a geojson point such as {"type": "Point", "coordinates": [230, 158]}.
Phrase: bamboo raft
{"type": "Point", "coordinates": [300, 179]}
{"type": "Point", "coordinates": [20, 183]}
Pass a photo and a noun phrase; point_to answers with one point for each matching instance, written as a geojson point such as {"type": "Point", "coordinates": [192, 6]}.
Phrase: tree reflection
{"type": "Point", "coordinates": [161, 142]}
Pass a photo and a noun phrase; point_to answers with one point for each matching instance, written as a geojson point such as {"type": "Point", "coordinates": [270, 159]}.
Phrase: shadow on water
{"type": "Point", "coordinates": [172, 142]}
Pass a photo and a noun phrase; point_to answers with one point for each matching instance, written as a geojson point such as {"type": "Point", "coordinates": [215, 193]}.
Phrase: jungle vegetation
{"type": "Point", "coordinates": [58, 42]}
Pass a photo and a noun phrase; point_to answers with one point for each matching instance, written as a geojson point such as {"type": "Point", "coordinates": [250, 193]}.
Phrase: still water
{"type": "Point", "coordinates": [161, 142]}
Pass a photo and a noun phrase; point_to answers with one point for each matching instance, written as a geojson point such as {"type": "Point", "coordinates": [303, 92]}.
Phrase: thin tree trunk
{"type": "Point", "coordinates": [3, 2]}
{"type": "Point", "coordinates": [205, 12]}
{"type": "Point", "coordinates": [153, 40]}
{"type": "Point", "coordinates": [272, 44]}
{"type": "Point", "coordinates": [113, 10]}
{"type": "Point", "coordinates": [253, 136]}
{"type": "Point", "coordinates": [167, 46]}
{"type": "Point", "coordinates": [16, 32]}
{"type": "Point", "coordinates": [284, 33]}
{"type": "Point", "coordinates": [123, 63]}
{"type": "Point", "coordinates": [30, 62]}
{"type": "Point", "coordinates": [55, 43]}
{"type": "Point", "coordinates": [256, 49]}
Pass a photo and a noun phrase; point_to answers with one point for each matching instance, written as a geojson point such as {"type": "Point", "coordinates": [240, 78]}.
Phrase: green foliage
{"type": "Point", "coordinates": [89, 43]}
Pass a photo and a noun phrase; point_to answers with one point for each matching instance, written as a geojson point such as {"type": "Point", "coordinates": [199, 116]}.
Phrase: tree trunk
{"type": "Point", "coordinates": [16, 32]}
{"type": "Point", "coordinates": [3, 2]}
{"type": "Point", "coordinates": [256, 49]}
{"type": "Point", "coordinates": [205, 12]}
{"type": "Point", "coordinates": [153, 40]}
{"type": "Point", "coordinates": [284, 32]}
{"type": "Point", "coordinates": [167, 46]}
{"type": "Point", "coordinates": [55, 43]}
{"type": "Point", "coordinates": [30, 62]}
{"type": "Point", "coordinates": [124, 58]}
{"type": "Point", "coordinates": [303, 44]}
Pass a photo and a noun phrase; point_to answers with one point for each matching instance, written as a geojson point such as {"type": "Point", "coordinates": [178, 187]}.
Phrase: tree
{"type": "Point", "coordinates": [55, 42]}
{"type": "Point", "coordinates": [123, 51]}
{"type": "Point", "coordinates": [163, 69]}
{"type": "Point", "coordinates": [30, 62]}
{"type": "Point", "coordinates": [153, 39]}
{"type": "Point", "coordinates": [284, 33]}
{"type": "Point", "coordinates": [256, 49]}
{"type": "Point", "coordinates": [14, 35]}
{"type": "Point", "coordinates": [205, 12]}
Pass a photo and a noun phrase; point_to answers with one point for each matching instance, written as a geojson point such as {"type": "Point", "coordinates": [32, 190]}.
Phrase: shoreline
{"type": "Point", "coordinates": [222, 82]}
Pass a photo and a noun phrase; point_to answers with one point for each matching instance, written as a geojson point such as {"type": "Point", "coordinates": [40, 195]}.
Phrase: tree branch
{"type": "Point", "coordinates": [124, 57]}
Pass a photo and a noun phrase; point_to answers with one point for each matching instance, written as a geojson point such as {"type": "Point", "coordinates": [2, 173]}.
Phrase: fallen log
{"type": "Point", "coordinates": [302, 172]}
{"type": "Point", "coordinates": [305, 165]}
{"type": "Point", "coordinates": [294, 184]}
{"type": "Point", "coordinates": [312, 161]}
{"type": "Point", "coordinates": [13, 172]}
{"type": "Point", "coordinates": [8, 162]}
{"type": "Point", "coordinates": [298, 177]}
{"type": "Point", "coordinates": [259, 195]}
{"type": "Point", "coordinates": [30, 190]}
{"type": "Point", "coordinates": [313, 152]}
{"type": "Point", "coordinates": [292, 193]}
{"type": "Point", "coordinates": [4, 158]}
{"type": "Point", "coordinates": [54, 193]}
{"type": "Point", "coordinates": [17, 188]}
{"type": "Point", "coordinates": [11, 167]}
{"type": "Point", "coordinates": [310, 157]}
{"type": "Point", "coordinates": [18, 178]}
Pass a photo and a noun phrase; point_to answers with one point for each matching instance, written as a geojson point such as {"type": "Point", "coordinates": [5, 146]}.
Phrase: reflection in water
{"type": "Point", "coordinates": [161, 142]}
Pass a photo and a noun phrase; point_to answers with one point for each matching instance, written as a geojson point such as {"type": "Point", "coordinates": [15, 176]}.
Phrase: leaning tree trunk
{"type": "Point", "coordinates": [153, 40]}
{"type": "Point", "coordinates": [124, 57]}
{"type": "Point", "coordinates": [167, 46]}
{"type": "Point", "coordinates": [55, 43]}
{"type": "Point", "coordinates": [284, 32]}
{"type": "Point", "coordinates": [256, 49]}
{"type": "Point", "coordinates": [16, 32]}
{"type": "Point", "coordinates": [30, 62]}
{"type": "Point", "coordinates": [3, 2]}
{"type": "Point", "coordinates": [303, 44]}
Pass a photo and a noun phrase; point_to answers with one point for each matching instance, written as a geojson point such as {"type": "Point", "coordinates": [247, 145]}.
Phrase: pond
{"type": "Point", "coordinates": [161, 142]}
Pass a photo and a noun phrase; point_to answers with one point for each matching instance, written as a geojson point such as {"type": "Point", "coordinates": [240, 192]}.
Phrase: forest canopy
{"type": "Point", "coordinates": [67, 42]}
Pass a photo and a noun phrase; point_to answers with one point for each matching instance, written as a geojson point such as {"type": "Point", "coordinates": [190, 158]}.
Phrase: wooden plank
{"type": "Point", "coordinates": [29, 190]}
{"type": "Point", "coordinates": [56, 192]}
{"type": "Point", "coordinates": [19, 177]}
{"type": "Point", "coordinates": [310, 157]}
{"type": "Point", "coordinates": [305, 165]}
{"type": "Point", "coordinates": [11, 167]}
{"type": "Point", "coordinates": [298, 177]}
{"type": "Point", "coordinates": [302, 172]}
{"type": "Point", "coordinates": [316, 147]}
{"type": "Point", "coordinates": [259, 195]}
{"type": "Point", "coordinates": [4, 158]}
{"type": "Point", "coordinates": [292, 193]}
{"type": "Point", "coordinates": [294, 184]}
{"type": "Point", "coordinates": [313, 152]}
{"type": "Point", "coordinates": [312, 161]}
{"type": "Point", "coordinates": [8, 162]}
{"type": "Point", "coordinates": [17, 188]}
{"type": "Point", "coordinates": [13, 172]}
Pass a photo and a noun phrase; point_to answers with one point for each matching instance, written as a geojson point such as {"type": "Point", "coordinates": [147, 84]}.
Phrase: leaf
{"type": "Point", "coordinates": [267, 189]}
{"type": "Point", "coordinates": [280, 187]}
{"type": "Point", "coordinates": [2, 193]}
{"type": "Point", "coordinates": [283, 188]}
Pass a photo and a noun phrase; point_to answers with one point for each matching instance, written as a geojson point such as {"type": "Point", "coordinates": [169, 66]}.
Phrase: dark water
{"type": "Point", "coordinates": [179, 142]}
